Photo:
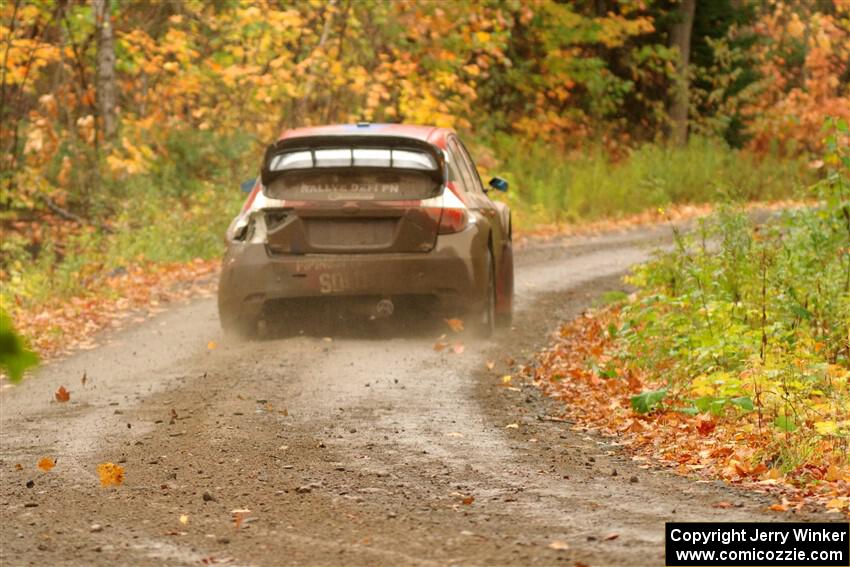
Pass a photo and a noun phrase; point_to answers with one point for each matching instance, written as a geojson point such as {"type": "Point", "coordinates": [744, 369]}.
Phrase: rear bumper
{"type": "Point", "coordinates": [452, 272]}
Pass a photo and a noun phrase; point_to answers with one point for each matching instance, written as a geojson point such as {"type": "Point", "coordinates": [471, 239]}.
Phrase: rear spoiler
{"type": "Point", "coordinates": [313, 143]}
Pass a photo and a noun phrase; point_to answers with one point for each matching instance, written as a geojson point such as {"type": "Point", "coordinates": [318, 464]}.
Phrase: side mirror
{"type": "Point", "coordinates": [498, 184]}
{"type": "Point", "coordinates": [247, 186]}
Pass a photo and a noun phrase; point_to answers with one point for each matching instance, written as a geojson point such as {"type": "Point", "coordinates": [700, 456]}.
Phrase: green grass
{"type": "Point", "coordinates": [155, 230]}
{"type": "Point", "coordinates": [548, 187]}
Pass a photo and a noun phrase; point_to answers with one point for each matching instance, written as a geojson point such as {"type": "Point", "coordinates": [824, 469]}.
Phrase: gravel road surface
{"type": "Point", "coordinates": [365, 448]}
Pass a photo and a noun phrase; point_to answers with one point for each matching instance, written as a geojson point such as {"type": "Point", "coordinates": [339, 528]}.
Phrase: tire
{"type": "Point", "coordinates": [485, 319]}
{"type": "Point", "coordinates": [505, 315]}
{"type": "Point", "coordinates": [504, 320]}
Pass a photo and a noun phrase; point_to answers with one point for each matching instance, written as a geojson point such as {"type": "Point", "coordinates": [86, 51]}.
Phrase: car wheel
{"type": "Point", "coordinates": [486, 318]}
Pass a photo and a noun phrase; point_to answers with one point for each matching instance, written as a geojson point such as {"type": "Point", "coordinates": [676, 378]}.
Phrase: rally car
{"type": "Point", "coordinates": [368, 218]}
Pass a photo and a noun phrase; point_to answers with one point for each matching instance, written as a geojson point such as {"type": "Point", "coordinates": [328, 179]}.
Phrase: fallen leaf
{"type": "Point", "coordinates": [833, 473]}
{"type": "Point", "coordinates": [611, 537]}
{"type": "Point", "coordinates": [440, 346]}
{"type": "Point", "coordinates": [490, 365]}
{"type": "Point", "coordinates": [778, 507]}
{"type": "Point", "coordinates": [46, 464]}
{"type": "Point", "coordinates": [706, 426]}
{"type": "Point", "coordinates": [456, 325]}
{"type": "Point", "coordinates": [772, 474]}
{"type": "Point", "coordinates": [458, 348]}
{"type": "Point", "coordinates": [722, 504]}
{"type": "Point", "coordinates": [468, 500]}
{"type": "Point", "coordinates": [743, 469]}
{"type": "Point", "coordinates": [62, 395]}
{"type": "Point", "coordinates": [559, 545]}
{"type": "Point", "coordinates": [184, 519]}
{"type": "Point", "coordinates": [110, 474]}
{"type": "Point", "coordinates": [84, 379]}
{"type": "Point", "coordinates": [758, 469]}
{"type": "Point", "coordinates": [836, 504]}
{"type": "Point", "coordinates": [512, 426]}
{"type": "Point", "coordinates": [239, 515]}
{"type": "Point", "coordinates": [211, 345]}
{"type": "Point", "coordinates": [506, 379]}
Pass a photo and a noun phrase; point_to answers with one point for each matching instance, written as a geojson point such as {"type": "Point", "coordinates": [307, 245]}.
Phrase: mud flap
{"type": "Point", "coordinates": [505, 287]}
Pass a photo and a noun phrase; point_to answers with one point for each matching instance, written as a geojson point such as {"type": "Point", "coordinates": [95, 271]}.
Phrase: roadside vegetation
{"type": "Point", "coordinates": [732, 359]}
{"type": "Point", "coordinates": [127, 127]}
{"type": "Point", "coordinates": [592, 185]}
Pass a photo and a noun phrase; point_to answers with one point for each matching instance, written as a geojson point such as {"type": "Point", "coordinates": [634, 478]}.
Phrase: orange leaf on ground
{"type": "Point", "coordinates": [46, 464]}
{"type": "Point", "coordinates": [834, 473]}
{"type": "Point", "coordinates": [62, 395]}
{"type": "Point", "coordinates": [455, 325]}
{"type": "Point", "coordinates": [742, 469]}
{"type": "Point", "coordinates": [212, 345]}
{"type": "Point", "coordinates": [458, 348]}
{"type": "Point", "coordinates": [58, 325]}
{"type": "Point", "coordinates": [611, 537]}
{"type": "Point", "coordinates": [239, 515]}
{"type": "Point", "coordinates": [733, 446]}
{"type": "Point", "coordinates": [706, 426]}
{"type": "Point", "coordinates": [468, 500]}
{"type": "Point", "coordinates": [110, 474]}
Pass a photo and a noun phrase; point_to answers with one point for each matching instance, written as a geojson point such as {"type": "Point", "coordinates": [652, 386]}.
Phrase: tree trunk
{"type": "Point", "coordinates": [302, 106]}
{"type": "Point", "coordinates": [680, 37]}
{"type": "Point", "coordinates": [105, 82]}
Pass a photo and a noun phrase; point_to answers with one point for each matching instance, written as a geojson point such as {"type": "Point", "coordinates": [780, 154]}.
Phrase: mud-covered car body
{"type": "Point", "coordinates": [370, 216]}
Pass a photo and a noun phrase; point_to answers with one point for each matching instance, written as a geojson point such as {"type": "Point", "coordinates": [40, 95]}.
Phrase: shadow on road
{"type": "Point", "coordinates": [340, 319]}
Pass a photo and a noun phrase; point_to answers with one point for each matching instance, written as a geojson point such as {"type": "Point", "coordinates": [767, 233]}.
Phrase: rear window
{"type": "Point", "coordinates": [352, 184]}
{"type": "Point", "coordinates": [353, 157]}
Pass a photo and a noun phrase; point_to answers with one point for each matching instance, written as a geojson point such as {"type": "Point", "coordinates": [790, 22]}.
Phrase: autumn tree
{"type": "Point", "coordinates": [105, 86]}
{"type": "Point", "coordinates": [680, 39]}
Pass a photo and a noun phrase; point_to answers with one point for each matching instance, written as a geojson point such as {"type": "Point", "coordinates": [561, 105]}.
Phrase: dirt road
{"type": "Point", "coordinates": [351, 451]}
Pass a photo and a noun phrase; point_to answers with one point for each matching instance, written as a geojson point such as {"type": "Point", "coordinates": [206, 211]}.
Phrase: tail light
{"type": "Point", "coordinates": [448, 210]}
{"type": "Point", "coordinates": [453, 220]}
